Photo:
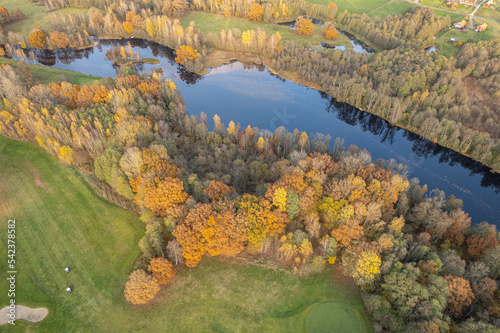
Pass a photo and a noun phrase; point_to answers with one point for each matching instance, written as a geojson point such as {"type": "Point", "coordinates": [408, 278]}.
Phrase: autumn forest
{"type": "Point", "coordinates": [298, 201]}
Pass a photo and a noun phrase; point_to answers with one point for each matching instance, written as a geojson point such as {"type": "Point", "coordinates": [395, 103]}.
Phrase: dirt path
{"type": "Point", "coordinates": [23, 312]}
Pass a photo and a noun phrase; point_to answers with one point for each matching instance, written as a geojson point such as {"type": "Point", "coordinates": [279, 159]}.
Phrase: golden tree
{"type": "Point", "coordinates": [330, 32]}
{"type": "Point", "coordinates": [141, 287]}
{"type": "Point", "coordinates": [367, 267]}
{"type": "Point", "coordinates": [37, 38]}
{"type": "Point", "coordinates": [128, 27]}
{"type": "Point", "coordinates": [246, 38]}
{"type": "Point", "coordinates": [185, 52]}
{"type": "Point", "coordinates": [256, 12]}
{"type": "Point", "coordinates": [279, 198]}
{"type": "Point", "coordinates": [162, 270]}
{"type": "Point", "coordinates": [59, 39]}
{"type": "Point", "coordinates": [304, 26]}
{"type": "Point", "coordinates": [168, 193]}
{"type": "Point", "coordinates": [5, 15]}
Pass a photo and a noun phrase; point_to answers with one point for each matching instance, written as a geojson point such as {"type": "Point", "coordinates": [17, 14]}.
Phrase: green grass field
{"type": "Point", "coordinates": [489, 12]}
{"type": "Point", "coordinates": [34, 14]}
{"type": "Point", "coordinates": [448, 49]}
{"type": "Point", "coordinates": [61, 222]}
{"type": "Point", "coordinates": [44, 74]}
{"type": "Point", "coordinates": [442, 4]}
{"type": "Point", "coordinates": [208, 22]}
{"type": "Point", "coordinates": [354, 6]}
{"type": "Point", "coordinates": [390, 8]}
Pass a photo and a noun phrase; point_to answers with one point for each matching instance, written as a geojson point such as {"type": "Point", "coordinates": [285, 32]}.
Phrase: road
{"type": "Point", "coordinates": [471, 16]}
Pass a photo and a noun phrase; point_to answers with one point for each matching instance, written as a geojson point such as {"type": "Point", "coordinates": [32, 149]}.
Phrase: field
{"type": "Point", "coordinates": [44, 74]}
{"type": "Point", "coordinates": [489, 12]}
{"type": "Point", "coordinates": [442, 4]}
{"type": "Point", "coordinates": [34, 14]}
{"type": "Point", "coordinates": [61, 222]}
{"type": "Point", "coordinates": [390, 8]}
{"type": "Point", "coordinates": [354, 6]}
{"type": "Point", "coordinates": [448, 49]}
{"type": "Point", "coordinates": [208, 22]}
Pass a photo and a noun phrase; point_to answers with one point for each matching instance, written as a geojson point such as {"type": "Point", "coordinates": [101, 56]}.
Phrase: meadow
{"type": "Point", "coordinates": [35, 14]}
{"type": "Point", "coordinates": [45, 74]}
{"type": "Point", "coordinates": [60, 221]}
{"type": "Point", "coordinates": [208, 22]}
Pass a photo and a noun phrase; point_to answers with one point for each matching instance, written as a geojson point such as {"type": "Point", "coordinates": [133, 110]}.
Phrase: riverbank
{"type": "Point", "coordinates": [216, 58]}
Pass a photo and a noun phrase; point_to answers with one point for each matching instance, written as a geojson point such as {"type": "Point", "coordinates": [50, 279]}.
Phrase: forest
{"type": "Point", "coordinates": [290, 197]}
{"type": "Point", "coordinates": [451, 101]}
{"type": "Point", "coordinates": [283, 196]}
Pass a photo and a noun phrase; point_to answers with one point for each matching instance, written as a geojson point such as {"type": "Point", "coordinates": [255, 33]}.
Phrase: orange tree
{"type": "Point", "coordinates": [37, 38]}
{"type": "Point", "coordinates": [185, 52]}
{"type": "Point", "coordinates": [256, 12]}
{"type": "Point", "coordinates": [162, 270]}
{"type": "Point", "coordinates": [460, 294]}
{"type": "Point", "coordinates": [304, 26]}
{"type": "Point", "coordinates": [141, 287]}
{"type": "Point", "coordinates": [330, 32]}
{"type": "Point", "coordinates": [5, 15]}
{"type": "Point", "coordinates": [59, 39]}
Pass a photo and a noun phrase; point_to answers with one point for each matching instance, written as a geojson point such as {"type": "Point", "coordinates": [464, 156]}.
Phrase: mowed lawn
{"type": "Point", "coordinates": [353, 6]}
{"type": "Point", "coordinates": [208, 22]}
{"type": "Point", "coordinates": [490, 12]}
{"type": "Point", "coordinates": [45, 74]}
{"type": "Point", "coordinates": [61, 222]}
{"type": "Point", "coordinates": [35, 14]}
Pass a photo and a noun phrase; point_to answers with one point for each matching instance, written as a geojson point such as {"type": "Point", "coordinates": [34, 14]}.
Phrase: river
{"type": "Point", "coordinates": [250, 94]}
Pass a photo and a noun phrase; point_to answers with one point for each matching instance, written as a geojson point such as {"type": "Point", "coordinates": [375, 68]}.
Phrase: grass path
{"type": "Point", "coordinates": [61, 222]}
{"type": "Point", "coordinates": [45, 74]}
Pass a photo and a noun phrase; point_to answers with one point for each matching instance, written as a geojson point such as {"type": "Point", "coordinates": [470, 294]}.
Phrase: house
{"type": "Point", "coordinates": [453, 3]}
{"type": "Point", "coordinates": [481, 27]}
{"type": "Point", "coordinates": [470, 2]}
{"type": "Point", "coordinates": [488, 3]}
{"type": "Point", "coordinates": [460, 25]}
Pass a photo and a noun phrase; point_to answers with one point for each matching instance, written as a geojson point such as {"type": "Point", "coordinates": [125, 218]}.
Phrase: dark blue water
{"type": "Point", "coordinates": [252, 96]}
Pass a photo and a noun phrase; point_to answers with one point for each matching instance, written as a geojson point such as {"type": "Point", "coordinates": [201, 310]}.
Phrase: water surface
{"type": "Point", "coordinates": [252, 96]}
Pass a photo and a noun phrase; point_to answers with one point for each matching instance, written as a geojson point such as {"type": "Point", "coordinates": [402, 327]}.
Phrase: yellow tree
{"type": "Point", "coordinates": [304, 26]}
{"type": "Point", "coordinates": [256, 12]}
{"type": "Point", "coordinates": [128, 27]}
{"type": "Point", "coordinates": [246, 38]}
{"type": "Point", "coordinates": [37, 38]}
{"type": "Point", "coordinates": [367, 267]}
{"type": "Point", "coordinates": [185, 52]}
{"type": "Point", "coordinates": [5, 15]}
{"type": "Point", "coordinates": [330, 32]}
{"type": "Point", "coordinates": [279, 198]}
{"type": "Point", "coordinates": [150, 28]}
{"type": "Point", "coordinates": [168, 193]}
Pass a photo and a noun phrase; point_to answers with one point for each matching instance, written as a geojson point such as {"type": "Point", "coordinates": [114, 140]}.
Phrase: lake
{"type": "Point", "coordinates": [251, 95]}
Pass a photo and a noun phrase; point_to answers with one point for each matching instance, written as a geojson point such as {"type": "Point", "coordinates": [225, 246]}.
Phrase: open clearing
{"type": "Point", "coordinates": [353, 6]}
{"type": "Point", "coordinates": [208, 22]}
{"type": "Point", "coordinates": [65, 223]}
{"type": "Point", "coordinates": [45, 74]}
{"type": "Point", "coordinates": [34, 14]}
